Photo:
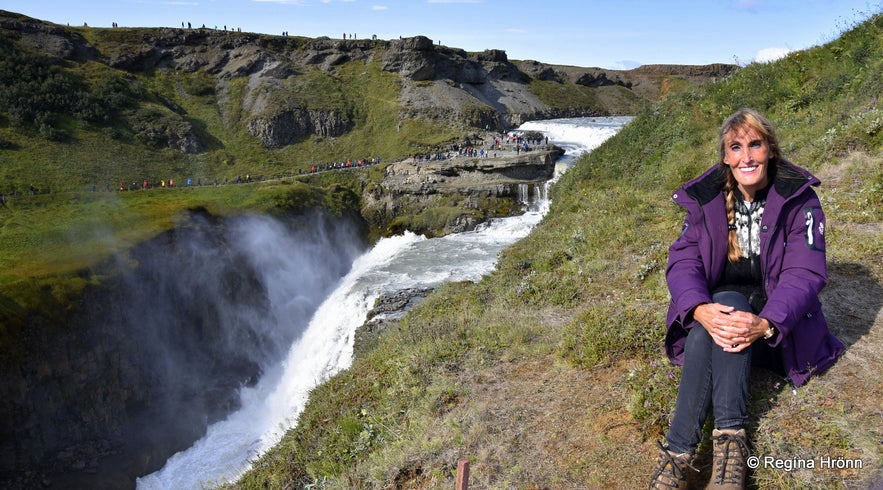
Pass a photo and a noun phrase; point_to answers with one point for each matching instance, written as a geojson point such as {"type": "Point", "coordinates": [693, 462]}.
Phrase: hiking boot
{"type": "Point", "coordinates": [671, 470]}
{"type": "Point", "coordinates": [730, 452]}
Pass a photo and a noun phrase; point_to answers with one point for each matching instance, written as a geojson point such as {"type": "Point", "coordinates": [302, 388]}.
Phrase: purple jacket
{"type": "Point", "coordinates": [792, 260]}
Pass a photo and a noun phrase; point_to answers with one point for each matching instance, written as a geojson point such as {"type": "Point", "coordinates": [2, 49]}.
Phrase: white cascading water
{"type": "Point", "coordinates": [405, 261]}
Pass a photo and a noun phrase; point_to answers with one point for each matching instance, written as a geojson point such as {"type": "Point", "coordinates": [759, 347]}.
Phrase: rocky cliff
{"type": "Point", "coordinates": [453, 193]}
{"type": "Point", "coordinates": [278, 108]}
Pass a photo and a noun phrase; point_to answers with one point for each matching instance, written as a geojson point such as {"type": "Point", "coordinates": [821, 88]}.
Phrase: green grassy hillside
{"type": "Point", "coordinates": [73, 126]}
{"type": "Point", "coordinates": [549, 373]}
{"type": "Point", "coordinates": [84, 108]}
{"type": "Point", "coordinates": [82, 155]}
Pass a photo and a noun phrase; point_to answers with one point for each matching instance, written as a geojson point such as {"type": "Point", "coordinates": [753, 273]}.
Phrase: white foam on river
{"type": "Point", "coordinates": [272, 406]}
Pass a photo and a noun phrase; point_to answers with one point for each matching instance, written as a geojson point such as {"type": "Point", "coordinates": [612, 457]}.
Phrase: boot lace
{"type": "Point", "coordinates": [670, 470]}
{"type": "Point", "coordinates": [731, 452]}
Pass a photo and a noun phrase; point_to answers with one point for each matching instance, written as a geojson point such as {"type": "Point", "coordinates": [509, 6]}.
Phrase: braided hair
{"type": "Point", "coordinates": [743, 120]}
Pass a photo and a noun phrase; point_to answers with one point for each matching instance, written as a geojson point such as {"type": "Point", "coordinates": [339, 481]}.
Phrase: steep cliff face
{"type": "Point", "coordinates": [161, 347]}
{"type": "Point", "coordinates": [295, 123]}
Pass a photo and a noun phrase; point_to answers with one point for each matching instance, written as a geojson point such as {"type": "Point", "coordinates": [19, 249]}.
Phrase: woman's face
{"type": "Point", "coordinates": [747, 154]}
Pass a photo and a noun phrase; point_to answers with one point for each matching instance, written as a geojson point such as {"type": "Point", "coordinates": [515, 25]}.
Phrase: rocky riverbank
{"type": "Point", "coordinates": [454, 193]}
{"type": "Point", "coordinates": [387, 310]}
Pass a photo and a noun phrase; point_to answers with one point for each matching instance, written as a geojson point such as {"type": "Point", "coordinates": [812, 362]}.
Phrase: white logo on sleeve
{"type": "Point", "coordinates": [815, 228]}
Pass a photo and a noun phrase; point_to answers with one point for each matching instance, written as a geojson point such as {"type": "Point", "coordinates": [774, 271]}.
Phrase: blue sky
{"type": "Point", "coordinates": [615, 34]}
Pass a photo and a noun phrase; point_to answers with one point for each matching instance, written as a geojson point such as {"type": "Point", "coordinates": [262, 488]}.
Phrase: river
{"type": "Point", "coordinates": [272, 405]}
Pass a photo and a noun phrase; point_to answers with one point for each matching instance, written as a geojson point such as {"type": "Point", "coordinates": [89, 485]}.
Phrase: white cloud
{"type": "Point", "coordinates": [767, 55]}
{"type": "Point", "coordinates": [626, 64]}
{"type": "Point", "coordinates": [379, 7]}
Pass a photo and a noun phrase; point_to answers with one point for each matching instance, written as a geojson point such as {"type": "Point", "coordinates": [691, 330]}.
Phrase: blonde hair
{"type": "Point", "coordinates": [743, 120]}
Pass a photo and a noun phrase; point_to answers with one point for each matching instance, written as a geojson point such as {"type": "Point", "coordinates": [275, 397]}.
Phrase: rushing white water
{"type": "Point", "coordinates": [272, 406]}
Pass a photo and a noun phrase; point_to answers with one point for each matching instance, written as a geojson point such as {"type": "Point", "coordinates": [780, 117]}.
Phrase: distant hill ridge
{"type": "Point", "coordinates": [149, 84]}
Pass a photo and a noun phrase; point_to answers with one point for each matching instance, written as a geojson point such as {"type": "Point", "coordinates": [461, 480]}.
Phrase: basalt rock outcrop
{"type": "Point", "coordinates": [387, 310]}
{"type": "Point", "coordinates": [294, 123]}
{"type": "Point", "coordinates": [455, 193]}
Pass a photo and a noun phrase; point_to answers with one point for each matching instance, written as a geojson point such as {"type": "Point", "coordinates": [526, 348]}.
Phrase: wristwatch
{"type": "Point", "coordinates": [769, 333]}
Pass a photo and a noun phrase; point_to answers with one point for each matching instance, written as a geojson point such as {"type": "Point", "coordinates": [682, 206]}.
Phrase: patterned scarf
{"type": "Point", "coordinates": [748, 216]}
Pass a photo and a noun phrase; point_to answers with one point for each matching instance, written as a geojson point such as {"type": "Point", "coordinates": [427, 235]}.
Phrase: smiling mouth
{"type": "Point", "coordinates": [749, 170]}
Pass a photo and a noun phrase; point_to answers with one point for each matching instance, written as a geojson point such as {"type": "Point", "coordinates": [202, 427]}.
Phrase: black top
{"type": "Point", "coordinates": [744, 275]}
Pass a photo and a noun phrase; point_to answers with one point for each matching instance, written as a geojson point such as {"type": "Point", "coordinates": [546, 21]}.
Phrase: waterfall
{"type": "Point", "coordinates": [272, 406]}
{"type": "Point", "coordinates": [524, 194]}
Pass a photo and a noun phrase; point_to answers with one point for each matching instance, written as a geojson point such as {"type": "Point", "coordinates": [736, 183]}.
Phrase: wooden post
{"type": "Point", "coordinates": [462, 475]}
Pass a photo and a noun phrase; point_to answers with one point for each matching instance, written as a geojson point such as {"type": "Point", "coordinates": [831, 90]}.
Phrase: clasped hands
{"type": "Point", "coordinates": [732, 330]}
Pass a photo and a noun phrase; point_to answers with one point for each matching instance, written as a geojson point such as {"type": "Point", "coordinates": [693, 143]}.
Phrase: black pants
{"type": "Point", "coordinates": [711, 378]}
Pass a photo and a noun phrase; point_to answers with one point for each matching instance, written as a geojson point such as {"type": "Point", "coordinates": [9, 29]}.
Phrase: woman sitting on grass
{"type": "Point", "coordinates": [744, 278]}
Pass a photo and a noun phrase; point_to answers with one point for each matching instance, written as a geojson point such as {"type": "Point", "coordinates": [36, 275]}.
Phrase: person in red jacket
{"type": "Point", "coordinates": [744, 277]}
